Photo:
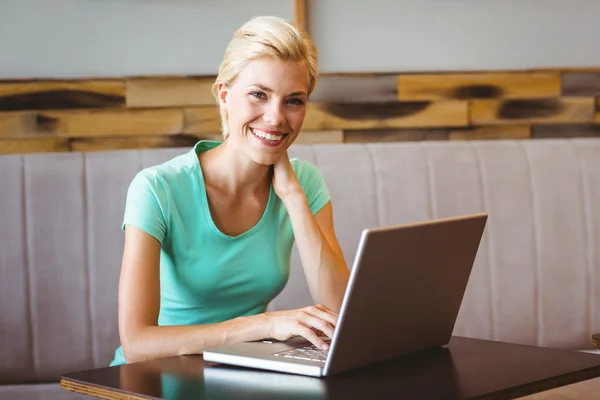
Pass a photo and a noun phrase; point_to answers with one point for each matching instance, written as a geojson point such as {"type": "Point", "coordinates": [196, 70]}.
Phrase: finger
{"type": "Point", "coordinates": [317, 332]}
{"type": "Point", "coordinates": [322, 314]}
{"type": "Point", "coordinates": [309, 335]}
{"type": "Point", "coordinates": [317, 323]}
{"type": "Point", "coordinates": [326, 309]}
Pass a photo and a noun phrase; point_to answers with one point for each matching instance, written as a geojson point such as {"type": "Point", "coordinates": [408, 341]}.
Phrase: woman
{"type": "Point", "coordinates": [208, 234]}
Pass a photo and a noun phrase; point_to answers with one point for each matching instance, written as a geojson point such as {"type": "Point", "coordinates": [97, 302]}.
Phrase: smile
{"type": "Point", "coordinates": [267, 137]}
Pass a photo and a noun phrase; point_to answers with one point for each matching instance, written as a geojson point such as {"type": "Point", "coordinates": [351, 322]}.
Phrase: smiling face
{"type": "Point", "coordinates": [265, 107]}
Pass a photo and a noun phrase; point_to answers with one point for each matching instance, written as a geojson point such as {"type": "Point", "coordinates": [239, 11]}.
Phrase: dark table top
{"type": "Point", "coordinates": [464, 369]}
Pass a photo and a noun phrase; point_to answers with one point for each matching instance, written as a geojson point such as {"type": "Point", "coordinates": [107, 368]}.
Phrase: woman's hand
{"type": "Point", "coordinates": [305, 322]}
{"type": "Point", "coordinates": [284, 178]}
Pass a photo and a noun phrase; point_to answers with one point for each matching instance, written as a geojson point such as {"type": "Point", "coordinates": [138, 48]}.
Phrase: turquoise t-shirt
{"type": "Point", "coordinates": [207, 276]}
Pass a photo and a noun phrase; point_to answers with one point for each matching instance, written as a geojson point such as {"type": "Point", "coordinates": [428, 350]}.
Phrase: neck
{"type": "Point", "coordinates": [229, 169]}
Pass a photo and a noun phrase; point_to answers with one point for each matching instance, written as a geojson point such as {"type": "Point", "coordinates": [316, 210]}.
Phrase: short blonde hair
{"type": "Point", "coordinates": [265, 37]}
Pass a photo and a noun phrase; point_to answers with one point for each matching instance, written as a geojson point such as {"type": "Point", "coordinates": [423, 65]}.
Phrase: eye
{"type": "Point", "coordinates": [258, 95]}
{"type": "Point", "coordinates": [296, 101]}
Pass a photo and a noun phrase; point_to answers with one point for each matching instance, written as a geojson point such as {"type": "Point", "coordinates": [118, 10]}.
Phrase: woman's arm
{"type": "Point", "coordinates": [139, 306]}
{"type": "Point", "coordinates": [324, 266]}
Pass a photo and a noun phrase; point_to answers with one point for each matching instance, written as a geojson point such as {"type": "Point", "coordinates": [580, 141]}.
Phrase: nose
{"type": "Point", "coordinates": [274, 114]}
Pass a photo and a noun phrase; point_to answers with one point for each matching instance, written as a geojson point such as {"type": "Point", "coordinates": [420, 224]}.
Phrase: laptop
{"type": "Point", "coordinates": [403, 296]}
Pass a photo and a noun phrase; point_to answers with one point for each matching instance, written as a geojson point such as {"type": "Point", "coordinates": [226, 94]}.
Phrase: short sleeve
{"type": "Point", "coordinates": [145, 207]}
{"type": "Point", "coordinates": [313, 183]}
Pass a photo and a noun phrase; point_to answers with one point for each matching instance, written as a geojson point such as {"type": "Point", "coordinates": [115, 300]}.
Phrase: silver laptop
{"type": "Point", "coordinates": [404, 293]}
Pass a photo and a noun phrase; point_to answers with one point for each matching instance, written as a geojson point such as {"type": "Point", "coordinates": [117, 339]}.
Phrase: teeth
{"type": "Point", "coordinates": [267, 136]}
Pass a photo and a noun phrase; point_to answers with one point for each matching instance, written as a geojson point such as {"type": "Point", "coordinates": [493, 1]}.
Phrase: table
{"type": "Point", "coordinates": [464, 369]}
{"type": "Point", "coordinates": [585, 390]}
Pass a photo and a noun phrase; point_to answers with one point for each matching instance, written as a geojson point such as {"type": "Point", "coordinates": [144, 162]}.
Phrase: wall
{"type": "Point", "coordinates": [115, 38]}
{"type": "Point", "coordinates": [450, 35]}
{"type": "Point", "coordinates": [137, 74]}
{"type": "Point", "coordinates": [86, 115]}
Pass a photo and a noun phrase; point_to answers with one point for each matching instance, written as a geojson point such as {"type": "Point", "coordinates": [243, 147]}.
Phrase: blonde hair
{"type": "Point", "coordinates": [265, 37]}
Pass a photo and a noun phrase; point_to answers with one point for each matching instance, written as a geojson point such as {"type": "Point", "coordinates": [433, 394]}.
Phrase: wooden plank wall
{"type": "Point", "coordinates": [151, 112]}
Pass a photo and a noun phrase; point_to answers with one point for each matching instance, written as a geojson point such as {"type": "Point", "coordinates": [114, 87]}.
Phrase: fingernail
{"type": "Point", "coordinates": [325, 347]}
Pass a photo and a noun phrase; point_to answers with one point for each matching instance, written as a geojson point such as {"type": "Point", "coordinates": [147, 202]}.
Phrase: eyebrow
{"type": "Point", "coordinates": [266, 89]}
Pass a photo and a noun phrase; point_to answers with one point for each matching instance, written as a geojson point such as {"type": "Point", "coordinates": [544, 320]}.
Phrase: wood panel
{"type": "Point", "coordinates": [478, 86]}
{"type": "Point", "coordinates": [542, 111]}
{"type": "Point", "coordinates": [386, 115]}
{"type": "Point", "coordinates": [57, 95]}
{"type": "Point", "coordinates": [22, 124]}
{"type": "Point", "coordinates": [202, 120]}
{"type": "Point", "coordinates": [169, 92]}
{"type": "Point", "coordinates": [581, 84]}
{"type": "Point", "coordinates": [79, 123]}
{"type": "Point", "coordinates": [165, 111]}
{"type": "Point", "coordinates": [184, 140]}
{"type": "Point", "coordinates": [394, 135]}
{"type": "Point", "coordinates": [509, 132]}
{"type": "Point", "coordinates": [218, 137]}
{"type": "Point", "coordinates": [565, 131]}
{"type": "Point", "coordinates": [320, 137]}
{"type": "Point", "coordinates": [135, 142]}
{"type": "Point", "coordinates": [569, 69]}
{"type": "Point", "coordinates": [355, 89]}
{"type": "Point", "coordinates": [300, 14]}
{"type": "Point", "coordinates": [41, 145]}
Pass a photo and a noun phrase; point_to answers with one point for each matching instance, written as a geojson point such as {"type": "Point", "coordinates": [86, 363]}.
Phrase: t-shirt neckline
{"type": "Point", "coordinates": [204, 145]}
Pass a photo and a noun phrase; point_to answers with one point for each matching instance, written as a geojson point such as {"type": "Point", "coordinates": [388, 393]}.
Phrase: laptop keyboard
{"type": "Point", "coordinates": [310, 353]}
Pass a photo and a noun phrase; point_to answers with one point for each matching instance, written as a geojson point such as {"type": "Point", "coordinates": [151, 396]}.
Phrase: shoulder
{"type": "Point", "coordinates": [153, 192]}
{"type": "Point", "coordinates": [305, 170]}
{"type": "Point", "coordinates": [312, 182]}
{"type": "Point", "coordinates": [161, 177]}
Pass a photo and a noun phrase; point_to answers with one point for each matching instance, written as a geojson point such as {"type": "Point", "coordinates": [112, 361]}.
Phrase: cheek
{"type": "Point", "coordinates": [246, 111]}
{"type": "Point", "coordinates": [296, 119]}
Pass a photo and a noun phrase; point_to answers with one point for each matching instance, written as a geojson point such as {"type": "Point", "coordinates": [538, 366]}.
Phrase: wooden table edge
{"type": "Point", "coordinates": [514, 392]}
{"type": "Point", "coordinates": [539, 386]}
{"type": "Point", "coordinates": [544, 385]}
{"type": "Point", "coordinates": [97, 391]}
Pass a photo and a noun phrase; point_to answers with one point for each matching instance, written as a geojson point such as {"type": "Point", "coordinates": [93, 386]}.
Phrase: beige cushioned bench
{"type": "Point", "coordinates": [536, 278]}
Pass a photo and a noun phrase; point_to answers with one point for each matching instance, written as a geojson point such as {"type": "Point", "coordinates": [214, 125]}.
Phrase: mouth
{"type": "Point", "coordinates": [267, 137]}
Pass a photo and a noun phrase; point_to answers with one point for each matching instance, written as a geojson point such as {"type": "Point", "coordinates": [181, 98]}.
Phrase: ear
{"type": "Point", "coordinates": [223, 92]}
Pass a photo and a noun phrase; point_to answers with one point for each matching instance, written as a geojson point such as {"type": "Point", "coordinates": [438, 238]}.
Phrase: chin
{"type": "Point", "coordinates": [264, 155]}
{"type": "Point", "coordinates": [263, 158]}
